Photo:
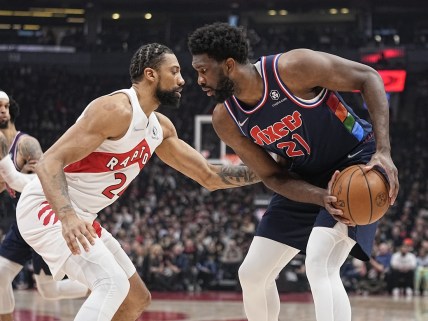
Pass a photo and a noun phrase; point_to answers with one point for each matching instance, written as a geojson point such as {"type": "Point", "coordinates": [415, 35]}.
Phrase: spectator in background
{"type": "Point", "coordinates": [421, 275]}
{"type": "Point", "coordinates": [207, 269]}
{"type": "Point", "coordinates": [403, 266]}
{"type": "Point", "coordinates": [231, 259]}
{"type": "Point", "coordinates": [381, 265]}
{"type": "Point", "coordinates": [181, 262]}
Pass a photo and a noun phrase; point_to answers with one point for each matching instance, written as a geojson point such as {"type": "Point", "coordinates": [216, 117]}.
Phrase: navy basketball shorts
{"type": "Point", "coordinates": [291, 222]}
{"type": "Point", "coordinates": [15, 249]}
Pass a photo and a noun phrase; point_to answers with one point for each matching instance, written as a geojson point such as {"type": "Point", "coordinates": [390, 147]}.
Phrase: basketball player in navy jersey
{"type": "Point", "coordinates": [21, 151]}
{"type": "Point", "coordinates": [287, 104]}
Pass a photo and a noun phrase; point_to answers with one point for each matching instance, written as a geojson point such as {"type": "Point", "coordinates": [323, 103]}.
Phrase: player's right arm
{"type": "Point", "coordinates": [107, 117]}
{"type": "Point", "coordinates": [273, 175]}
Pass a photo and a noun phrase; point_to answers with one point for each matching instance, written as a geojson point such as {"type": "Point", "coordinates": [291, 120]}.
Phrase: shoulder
{"type": "Point", "coordinates": [28, 139]}
{"type": "Point", "coordinates": [108, 115]}
{"type": "Point", "coordinates": [29, 147]}
{"type": "Point", "coordinates": [295, 60]}
{"type": "Point", "coordinates": [168, 127]}
{"type": "Point", "coordinates": [117, 105]}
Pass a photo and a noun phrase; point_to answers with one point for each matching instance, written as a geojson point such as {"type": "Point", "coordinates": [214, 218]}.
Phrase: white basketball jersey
{"type": "Point", "coordinates": [100, 178]}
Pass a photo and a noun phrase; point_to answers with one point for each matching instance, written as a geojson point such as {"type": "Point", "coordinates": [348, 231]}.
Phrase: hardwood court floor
{"type": "Point", "coordinates": [226, 306]}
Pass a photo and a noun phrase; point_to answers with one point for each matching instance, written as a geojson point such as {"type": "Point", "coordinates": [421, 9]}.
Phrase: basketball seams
{"type": "Point", "coordinates": [370, 194]}
{"type": "Point", "coordinates": [366, 209]}
{"type": "Point", "coordinates": [348, 192]}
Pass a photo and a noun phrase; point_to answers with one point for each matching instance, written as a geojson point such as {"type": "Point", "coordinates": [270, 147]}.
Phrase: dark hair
{"type": "Point", "coordinates": [13, 109]}
{"type": "Point", "coordinates": [219, 41]}
{"type": "Point", "coordinates": [147, 56]}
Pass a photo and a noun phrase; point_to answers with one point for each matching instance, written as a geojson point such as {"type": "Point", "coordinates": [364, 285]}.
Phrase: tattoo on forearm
{"type": "Point", "coordinates": [238, 175]}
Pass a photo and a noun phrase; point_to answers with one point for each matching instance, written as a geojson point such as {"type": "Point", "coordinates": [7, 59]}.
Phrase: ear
{"type": "Point", "coordinates": [230, 65]}
{"type": "Point", "coordinates": [150, 74]}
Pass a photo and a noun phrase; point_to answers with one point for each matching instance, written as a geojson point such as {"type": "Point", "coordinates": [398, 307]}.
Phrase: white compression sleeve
{"type": "Point", "coordinates": [99, 271]}
{"type": "Point", "coordinates": [50, 289]}
{"type": "Point", "coordinates": [327, 250]}
{"type": "Point", "coordinates": [8, 272]}
{"type": "Point", "coordinates": [11, 176]}
{"type": "Point", "coordinates": [257, 274]}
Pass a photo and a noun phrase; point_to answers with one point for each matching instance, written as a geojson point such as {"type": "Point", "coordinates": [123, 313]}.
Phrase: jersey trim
{"type": "Point", "coordinates": [340, 111]}
{"type": "Point", "coordinates": [301, 103]}
{"type": "Point", "coordinates": [229, 110]}
{"type": "Point", "coordinates": [265, 91]}
{"type": "Point", "coordinates": [13, 150]}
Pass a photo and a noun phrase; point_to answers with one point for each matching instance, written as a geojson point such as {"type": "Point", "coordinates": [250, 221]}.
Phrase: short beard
{"type": "Point", "coordinates": [168, 97]}
{"type": "Point", "coordinates": [4, 124]}
{"type": "Point", "coordinates": [225, 89]}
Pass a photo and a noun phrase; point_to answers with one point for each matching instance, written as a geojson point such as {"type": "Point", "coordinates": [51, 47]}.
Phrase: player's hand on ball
{"type": "Point", "coordinates": [75, 229]}
{"type": "Point", "coordinates": [384, 161]}
{"type": "Point", "coordinates": [329, 199]}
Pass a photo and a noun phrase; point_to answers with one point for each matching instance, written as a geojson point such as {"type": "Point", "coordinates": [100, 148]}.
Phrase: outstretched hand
{"type": "Point", "coordinates": [384, 161]}
{"type": "Point", "coordinates": [329, 200]}
{"type": "Point", "coordinates": [75, 229]}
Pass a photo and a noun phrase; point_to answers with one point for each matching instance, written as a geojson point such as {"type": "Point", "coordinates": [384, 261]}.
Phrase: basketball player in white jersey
{"type": "Point", "coordinates": [19, 153]}
{"type": "Point", "coordinates": [91, 165]}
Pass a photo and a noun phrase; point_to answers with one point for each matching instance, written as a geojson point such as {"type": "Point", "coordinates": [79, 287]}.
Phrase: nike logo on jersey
{"type": "Point", "coordinates": [138, 129]}
{"type": "Point", "coordinates": [355, 154]}
{"type": "Point", "coordinates": [243, 122]}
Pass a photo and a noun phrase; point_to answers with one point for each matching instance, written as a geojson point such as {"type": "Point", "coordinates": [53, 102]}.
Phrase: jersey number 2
{"type": "Point", "coordinates": [115, 189]}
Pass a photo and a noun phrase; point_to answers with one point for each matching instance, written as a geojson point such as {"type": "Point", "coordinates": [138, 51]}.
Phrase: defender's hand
{"type": "Point", "coordinates": [74, 229]}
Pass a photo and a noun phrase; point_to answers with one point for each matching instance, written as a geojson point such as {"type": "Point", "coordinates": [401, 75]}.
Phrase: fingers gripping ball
{"type": "Point", "coordinates": [363, 197]}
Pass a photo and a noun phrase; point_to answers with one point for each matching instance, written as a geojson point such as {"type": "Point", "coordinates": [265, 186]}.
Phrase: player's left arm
{"type": "Point", "coordinates": [181, 156]}
{"type": "Point", "coordinates": [306, 70]}
{"type": "Point", "coordinates": [29, 153]}
{"type": "Point", "coordinates": [17, 180]}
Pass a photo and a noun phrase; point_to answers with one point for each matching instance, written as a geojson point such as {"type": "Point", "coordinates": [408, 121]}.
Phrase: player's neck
{"type": "Point", "coordinates": [10, 133]}
{"type": "Point", "coordinates": [146, 99]}
{"type": "Point", "coordinates": [248, 85]}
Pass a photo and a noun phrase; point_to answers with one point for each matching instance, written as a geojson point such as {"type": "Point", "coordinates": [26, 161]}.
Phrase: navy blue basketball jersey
{"type": "Point", "coordinates": [13, 149]}
{"type": "Point", "coordinates": [313, 134]}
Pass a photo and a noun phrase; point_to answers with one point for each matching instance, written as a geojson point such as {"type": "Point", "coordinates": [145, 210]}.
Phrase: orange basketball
{"type": "Point", "coordinates": [363, 197]}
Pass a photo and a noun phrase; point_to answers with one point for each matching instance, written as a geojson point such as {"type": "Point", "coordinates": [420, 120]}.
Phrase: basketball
{"type": "Point", "coordinates": [363, 197]}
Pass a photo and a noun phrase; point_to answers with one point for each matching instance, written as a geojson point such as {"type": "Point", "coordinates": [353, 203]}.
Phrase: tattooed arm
{"type": "Point", "coordinates": [17, 180]}
{"type": "Point", "coordinates": [29, 152]}
{"type": "Point", "coordinates": [185, 159]}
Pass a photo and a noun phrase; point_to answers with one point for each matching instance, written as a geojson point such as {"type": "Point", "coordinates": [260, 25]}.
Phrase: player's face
{"type": "Point", "coordinates": [170, 84]}
{"type": "Point", "coordinates": [212, 78]}
{"type": "Point", "coordinates": [4, 113]}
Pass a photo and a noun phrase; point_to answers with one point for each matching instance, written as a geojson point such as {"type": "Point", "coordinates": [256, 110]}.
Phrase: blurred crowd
{"type": "Point", "coordinates": [126, 36]}
{"type": "Point", "coordinates": [182, 237]}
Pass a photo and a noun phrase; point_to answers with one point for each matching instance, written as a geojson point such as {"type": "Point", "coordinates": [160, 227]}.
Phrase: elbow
{"type": "Point", "coordinates": [372, 80]}
{"type": "Point", "coordinates": [210, 185]}
{"type": "Point", "coordinates": [271, 182]}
